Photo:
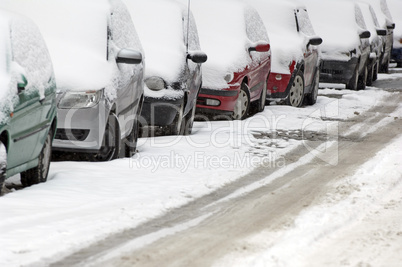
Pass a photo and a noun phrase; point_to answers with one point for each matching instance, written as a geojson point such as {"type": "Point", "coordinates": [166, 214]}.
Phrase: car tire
{"type": "Point", "coordinates": [130, 142]}
{"type": "Point", "coordinates": [362, 81]}
{"type": "Point", "coordinates": [370, 76]}
{"type": "Point", "coordinates": [178, 125]}
{"type": "Point", "coordinates": [242, 106]}
{"type": "Point", "coordinates": [296, 93]}
{"type": "Point", "coordinates": [352, 84]}
{"type": "Point", "coordinates": [375, 72]}
{"type": "Point", "coordinates": [39, 173]}
{"type": "Point", "coordinates": [3, 166]}
{"type": "Point", "coordinates": [110, 148]}
{"type": "Point", "coordinates": [259, 105]}
{"type": "Point", "coordinates": [311, 98]}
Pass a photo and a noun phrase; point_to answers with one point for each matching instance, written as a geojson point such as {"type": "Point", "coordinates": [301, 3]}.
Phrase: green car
{"type": "Point", "coordinates": [27, 101]}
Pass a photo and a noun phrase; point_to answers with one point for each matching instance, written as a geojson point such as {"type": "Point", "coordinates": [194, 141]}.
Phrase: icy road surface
{"type": "Point", "coordinates": [314, 186]}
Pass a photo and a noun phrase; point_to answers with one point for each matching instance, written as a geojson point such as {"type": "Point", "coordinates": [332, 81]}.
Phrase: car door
{"type": "Point", "coordinates": [259, 68]}
{"type": "Point", "coordinates": [306, 32]}
{"type": "Point", "coordinates": [24, 127]}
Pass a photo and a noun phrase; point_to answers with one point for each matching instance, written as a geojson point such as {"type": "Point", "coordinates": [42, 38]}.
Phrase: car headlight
{"type": "Point", "coordinates": [229, 77]}
{"type": "Point", "coordinates": [155, 83]}
{"type": "Point", "coordinates": [87, 99]}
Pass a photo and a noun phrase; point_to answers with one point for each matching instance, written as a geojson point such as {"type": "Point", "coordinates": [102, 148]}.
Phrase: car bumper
{"type": "Point", "coordinates": [278, 86]}
{"type": "Point", "coordinates": [159, 112]}
{"type": "Point", "coordinates": [333, 71]}
{"type": "Point", "coordinates": [80, 130]}
{"type": "Point", "coordinates": [217, 101]}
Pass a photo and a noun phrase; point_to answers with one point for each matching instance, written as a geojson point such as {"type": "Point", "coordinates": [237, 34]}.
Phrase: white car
{"type": "Point", "coordinates": [97, 59]}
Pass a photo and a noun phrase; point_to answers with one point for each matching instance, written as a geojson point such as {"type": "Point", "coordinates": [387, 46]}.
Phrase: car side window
{"type": "Point", "coordinates": [359, 18]}
{"type": "Point", "coordinates": [374, 17]}
{"type": "Point", "coordinates": [304, 22]}
{"type": "Point", "coordinates": [255, 28]}
{"type": "Point", "coordinates": [193, 41]}
{"type": "Point", "coordinates": [30, 52]}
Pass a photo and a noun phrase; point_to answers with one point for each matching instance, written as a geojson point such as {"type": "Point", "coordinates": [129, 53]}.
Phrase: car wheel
{"type": "Point", "coordinates": [296, 92]}
{"type": "Point", "coordinates": [361, 84]}
{"type": "Point", "coordinates": [375, 72]}
{"type": "Point", "coordinates": [177, 127]}
{"type": "Point", "coordinates": [242, 105]}
{"type": "Point", "coordinates": [130, 142]}
{"type": "Point", "coordinates": [111, 141]}
{"type": "Point", "coordinates": [3, 166]}
{"type": "Point", "coordinates": [39, 173]}
{"type": "Point", "coordinates": [352, 85]}
{"type": "Point", "coordinates": [259, 105]}
{"type": "Point", "coordinates": [312, 97]}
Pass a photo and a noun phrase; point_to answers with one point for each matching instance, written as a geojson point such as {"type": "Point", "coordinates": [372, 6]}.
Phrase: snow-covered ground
{"type": "Point", "coordinates": [83, 202]}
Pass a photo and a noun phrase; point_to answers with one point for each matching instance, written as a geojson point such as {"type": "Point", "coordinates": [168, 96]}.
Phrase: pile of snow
{"type": "Point", "coordinates": [226, 40]}
{"type": "Point", "coordinates": [338, 23]}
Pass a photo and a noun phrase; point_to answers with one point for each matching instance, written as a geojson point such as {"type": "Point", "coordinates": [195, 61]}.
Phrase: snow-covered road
{"type": "Point", "coordinates": [92, 213]}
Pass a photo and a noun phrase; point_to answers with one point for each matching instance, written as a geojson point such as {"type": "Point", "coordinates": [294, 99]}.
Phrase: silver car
{"type": "Point", "coordinates": [98, 65]}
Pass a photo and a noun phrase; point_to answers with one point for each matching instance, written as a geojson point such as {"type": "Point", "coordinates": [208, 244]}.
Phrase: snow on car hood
{"type": "Point", "coordinates": [335, 22]}
{"type": "Point", "coordinates": [160, 27]}
{"type": "Point", "coordinates": [226, 30]}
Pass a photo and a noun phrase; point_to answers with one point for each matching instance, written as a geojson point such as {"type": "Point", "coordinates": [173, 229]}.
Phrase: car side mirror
{"type": "Point", "coordinates": [314, 41]}
{"type": "Point", "coordinates": [365, 34]}
{"type": "Point", "coordinates": [22, 83]}
{"type": "Point", "coordinates": [391, 26]}
{"type": "Point", "coordinates": [129, 56]}
{"type": "Point", "coordinates": [260, 47]}
{"type": "Point", "coordinates": [381, 32]}
{"type": "Point", "coordinates": [197, 57]}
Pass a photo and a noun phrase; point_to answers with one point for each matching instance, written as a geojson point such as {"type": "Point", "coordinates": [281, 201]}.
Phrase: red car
{"type": "Point", "coordinates": [234, 79]}
{"type": "Point", "coordinates": [295, 56]}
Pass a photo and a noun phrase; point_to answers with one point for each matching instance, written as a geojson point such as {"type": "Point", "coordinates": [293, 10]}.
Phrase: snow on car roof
{"type": "Point", "coordinates": [76, 35]}
{"type": "Point", "coordinates": [160, 27]}
{"type": "Point", "coordinates": [382, 11]}
{"type": "Point", "coordinates": [336, 22]}
{"type": "Point", "coordinates": [226, 29]}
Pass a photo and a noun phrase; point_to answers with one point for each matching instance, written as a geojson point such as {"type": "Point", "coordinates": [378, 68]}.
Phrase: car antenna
{"type": "Point", "coordinates": [188, 24]}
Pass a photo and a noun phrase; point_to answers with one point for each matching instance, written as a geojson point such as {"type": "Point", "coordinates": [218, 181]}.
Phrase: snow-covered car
{"type": "Point", "coordinates": [295, 52]}
{"type": "Point", "coordinates": [27, 101]}
{"type": "Point", "coordinates": [395, 7]}
{"type": "Point", "coordinates": [385, 20]}
{"type": "Point", "coordinates": [97, 59]}
{"type": "Point", "coordinates": [376, 42]}
{"type": "Point", "coordinates": [235, 77]}
{"type": "Point", "coordinates": [346, 49]}
{"type": "Point", "coordinates": [173, 64]}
